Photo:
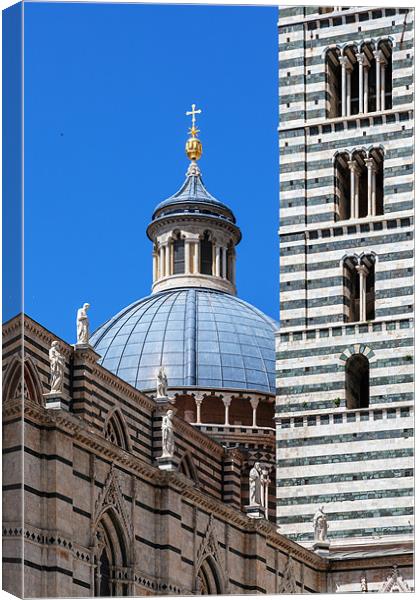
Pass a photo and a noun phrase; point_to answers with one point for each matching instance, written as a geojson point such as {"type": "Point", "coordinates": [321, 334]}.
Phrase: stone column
{"type": "Point", "coordinates": [363, 82]}
{"type": "Point", "coordinates": [366, 88]}
{"type": "Point", "coordinates": [167, 258]}
{"type": "Point", "coordinates": [198, 402]}
{"type": "Point", "coordinates": [348, 92]}
{"type": "Point", "coordinates": [187, 258]}
{"type": "Point", "coordinates": [343, 62]}
{"type": "Point", "coordinates": [233, 266]}
{"type": "Point", "coordinates": [155, 266]}
{"type": "Point", "coordinates": [371, 186]}
{"type": "Point", "coordinates": [383, 66]}
{"type": "Point", "coordinates": [196, 246]}
{"type": "Point", "coordinates": [217, 260]}
{"type": "Point", "coordinates": [161, 261]}
{"type": "Point", "coordinates": [354, 189]}
{"type": "Point", "coordinates": [363, 272]}
{"type": "Point", "coordinates": [226, 402]}
{"type": "Point", "coordinates": [374, 171]}
{"type": "Point", "coordinates": [379, 57]}
{"type": "Point", "coordinates": [224, 256]}
{"type": "Point", "coordinates": [254, 403]}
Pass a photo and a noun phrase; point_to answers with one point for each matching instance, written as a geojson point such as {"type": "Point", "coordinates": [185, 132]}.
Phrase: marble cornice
{"type": "Point", "coordinates": [31, 326]}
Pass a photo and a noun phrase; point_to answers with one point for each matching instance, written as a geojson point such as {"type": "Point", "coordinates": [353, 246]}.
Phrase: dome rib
{"type": "Point", "coordinates": [204, 338]}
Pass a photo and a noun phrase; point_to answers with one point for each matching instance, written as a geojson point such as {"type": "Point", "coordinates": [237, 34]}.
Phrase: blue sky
{"type": "Point", "coordinates": [106, 90]}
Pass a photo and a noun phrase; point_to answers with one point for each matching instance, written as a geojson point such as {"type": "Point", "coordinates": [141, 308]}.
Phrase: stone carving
{"type": "Point", "coordinates": [255, 485]}
{"type": "Point", "coordinates": [265, 482]}
{"type": "Point", "coordinates": [162, 384]}
{"type": "Point", "coordinates": [210, 547]}
{"type": "Point", "coordinates": [83, 324]}
{"type": "Point", "coordinates": [288, 584]}
{"type": "Point", "coordinates": [111, 497]}
{"type": "Point", "coordinates": [57, 368]}
{"type": "Point", "coordinates": [168, 444]}
{"type": "Point", "coordinates": [363, 583]}
{"type": "Point", "coordinates": [320, 525]}
{"type": "Point", "coordinates": [395, 583]}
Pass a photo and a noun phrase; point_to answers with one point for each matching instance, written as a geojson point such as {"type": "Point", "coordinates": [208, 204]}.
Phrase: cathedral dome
{"type": "Point", "coordinates": [205, 338]}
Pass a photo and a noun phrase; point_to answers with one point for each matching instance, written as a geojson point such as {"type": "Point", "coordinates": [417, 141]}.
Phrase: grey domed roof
{"type": "Point", "coordinates": [204, 338]}
{"type": "Point", "coordinates": [193, 192]}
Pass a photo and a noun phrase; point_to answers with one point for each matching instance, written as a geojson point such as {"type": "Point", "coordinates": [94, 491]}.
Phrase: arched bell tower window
{"type": "Point", "coordinates": [206, 254]}
{"type": "Point", "coordinates": [179, 254]}
{"type": "Point", "coordinates": [357, 382]}
{"type": "Point", "coordinates": [359, 288]}
{"type": "Point", "coordinates": [333, 77]}
{"type": "Point", "coordinates": [359, 184]}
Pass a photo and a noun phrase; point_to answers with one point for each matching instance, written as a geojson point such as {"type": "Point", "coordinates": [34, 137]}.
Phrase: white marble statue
{"type": "Point", "coordinates": [162, 384]}
{"type": "Point", "coordinates": [255, 485]}
{"type": "Point", "coordinates": [168, 444]}
{"type": "Point", "coordinates": [320, 525]}
{"type": "Point", "coordinates": [57, 368]}
{"type": "Point", "coordinates": [83, 324]}
{"type": "Point", "coordinates": [265, 482]}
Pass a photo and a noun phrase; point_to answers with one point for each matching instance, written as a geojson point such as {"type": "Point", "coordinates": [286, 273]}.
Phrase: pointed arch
{"type": "Point", "coordinates": [187, 467]}
{"type": "Point", "coordinates": [394, 583]}
{"type": "Point", "coordinates": [21, 380]}
{"type": "Point", "coordinates": [115, 429]}
{"type": "Point", "coordinates": [210, 577]}
{"type": "Point", "coordinates": [112, 550]}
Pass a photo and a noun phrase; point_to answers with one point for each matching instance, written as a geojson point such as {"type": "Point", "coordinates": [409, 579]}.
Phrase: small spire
{"type": "Point", "coordinates": [193, 147]}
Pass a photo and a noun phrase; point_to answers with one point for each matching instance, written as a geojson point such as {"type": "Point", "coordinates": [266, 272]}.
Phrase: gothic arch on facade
{"type": "Point", "coordinates": [210, 577]}
{"type": "Point", "coordinates": [21, 380]}
{"type": "Point", "coordinates": [112, 540]}
{"type": "Point", "coordinates": [111, 556]}
{"type": "Point", "coordinates": [394, 583]}
{"type": "Point", "coordinates": [115, 429]}
{"type": "Point", "coordinates": [209, 580]}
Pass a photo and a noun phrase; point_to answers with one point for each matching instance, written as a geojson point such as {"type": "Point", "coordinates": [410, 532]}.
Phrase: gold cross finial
{"type": "Point", "coordinates": [193, 112]}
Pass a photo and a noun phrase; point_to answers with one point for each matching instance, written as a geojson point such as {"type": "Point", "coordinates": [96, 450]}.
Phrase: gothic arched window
{"type": "Point", "coordinates": [357, 382]}
{"type": "Point", "coordinates": [21, 381]}
{"type": "Point", "coordinates": [115, 430]}
{"type": "Point", "coordinates": [206, 255]}
{"type": "Point", "coordinates": [179, 255]}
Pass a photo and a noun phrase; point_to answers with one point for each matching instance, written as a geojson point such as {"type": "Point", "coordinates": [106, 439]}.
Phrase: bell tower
{"type": "Point", "coordinates": [344, 350]}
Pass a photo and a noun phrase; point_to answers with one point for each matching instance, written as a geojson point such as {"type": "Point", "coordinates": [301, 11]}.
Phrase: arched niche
{"type": "Point", "coordinates": [21, 381]}
{"type": "Point", "coordinates": [111, 556]}
{"type": "Point", "coordinates": [209, 578]}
